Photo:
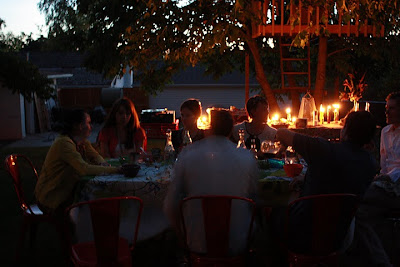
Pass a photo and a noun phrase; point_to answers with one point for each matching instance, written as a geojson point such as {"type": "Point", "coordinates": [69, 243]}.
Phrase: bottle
{"type": "Point", "coordinates": [169, 151]}
{"type": "Point", "coordinates": [187, 140]}
{"type": "Point", "coordinates": [241, 142]}
{"type": "Point", "coordinates": [253, 147]}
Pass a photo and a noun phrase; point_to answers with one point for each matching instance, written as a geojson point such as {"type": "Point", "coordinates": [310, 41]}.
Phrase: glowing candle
{"type": "Point", "coordinates": [366, 106]}
{"type": "Point", "coordinates": [328, 114]}
{"type": "Point", "coordinates": [321, 114]}
{"type": "Point", "coordinates": [336, 112]}
{"type": "Point", "coordinates": [288, 115]}
{"type": "Point", "coordinates": [275, 118]}
{"type": "Point", "coordinates": [315, 118]}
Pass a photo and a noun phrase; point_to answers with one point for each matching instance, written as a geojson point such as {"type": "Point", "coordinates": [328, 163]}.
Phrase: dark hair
{"type": "Point", "coordinates": [395, 96]}
{"type": "Point", "coordinates": [221, 122]}
{"type": "Point", "coordinates": [193, 105]}
{"type": "Point", "coordinates": [133, 124]}
{"type": "Point", "coordinates": [71, 119]}
{"type": "Point", "coordinates": [253, 102]}
{"type": "Point", "coordinates": [360, 127]}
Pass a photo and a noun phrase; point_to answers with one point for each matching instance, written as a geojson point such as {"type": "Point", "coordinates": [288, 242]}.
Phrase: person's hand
{"type": "Point", "coordinates": [105, 163]}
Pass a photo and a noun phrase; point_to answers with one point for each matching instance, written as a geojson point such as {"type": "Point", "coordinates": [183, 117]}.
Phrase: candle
{"type": "Point", "coordinates": [366, 106]}
{"type": "Point", "coordinates": [321, 114]}
{"type": "Point", "coordinates": [275, 118]}
{"type": "Point", "coordinates": [288, 115]}
{"type": "Point", "coordinates": [336, 112]}
{"type": "Point", "coordinates": [328, 114]}
{"type": "Point", "coordinates": [315, 117]}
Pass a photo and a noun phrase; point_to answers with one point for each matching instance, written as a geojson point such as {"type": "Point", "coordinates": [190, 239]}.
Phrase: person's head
{"type": "Point", "coordinates": [77, 123]}
{"type": "Point", "coordinates": [257, 108]}
{"type": "Point", "coordinates": [221, 122]}
{"type": "Point", "coordinates": [190, 112]}
{"type": "Point", "coordinates": [359, 128]}
{"type": "Point", "coordinates": [393, 108]}
{"type": "Point", "coordinates": [123, 113]}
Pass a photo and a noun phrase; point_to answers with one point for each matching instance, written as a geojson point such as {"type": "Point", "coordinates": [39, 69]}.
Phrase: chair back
{"type": "Point", "coordinates": [12, 167]}
{"type": "Point", "coordinates": [216, 219]}
{"type": "Point", "coordinates": [327, 218]}
{"type": "Point", "coordinates": [105, 214]}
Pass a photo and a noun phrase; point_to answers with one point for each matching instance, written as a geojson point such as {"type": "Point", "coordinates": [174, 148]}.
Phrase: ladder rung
{"type": "Point", "coordinates": [285, 90]}
{"type": "Point", "coordinates": [294, 73]}
{"type": "Point", "coordinates": [295, 87]}
{"type": "Point", "coordinates": [294, 59]}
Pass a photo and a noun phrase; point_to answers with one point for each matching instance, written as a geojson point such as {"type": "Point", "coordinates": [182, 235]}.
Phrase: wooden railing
{"type": "Point", "coordinates": [274, 16]}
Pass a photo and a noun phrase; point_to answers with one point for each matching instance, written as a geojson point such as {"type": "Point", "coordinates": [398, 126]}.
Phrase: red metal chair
{"type": "Point", "coordinates": [107, 248]}
{"type": "Point", "coordinates": [329, 217]}
{"type": "Point", "coordinates": [32, 215]}
{"type": "Point", "coordinates": [216, 211]}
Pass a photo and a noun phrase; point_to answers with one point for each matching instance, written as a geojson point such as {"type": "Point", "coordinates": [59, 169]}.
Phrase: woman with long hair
{"type": "Point", "coordinates": [190, 112]}
{"type": "Point", "coordinates": [121, 133]}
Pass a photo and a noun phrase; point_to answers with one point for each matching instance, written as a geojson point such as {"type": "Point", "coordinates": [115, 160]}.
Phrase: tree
{"type": "Point", "coordinates": [17, 74]}
{"type": "Point", "coordinates": [158, 38]}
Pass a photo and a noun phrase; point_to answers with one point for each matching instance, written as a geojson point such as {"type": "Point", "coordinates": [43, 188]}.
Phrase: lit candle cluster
{"type": "Point", "coordinates": [328, 111]}
{"type": "Point", "coordinates": [276, 119]}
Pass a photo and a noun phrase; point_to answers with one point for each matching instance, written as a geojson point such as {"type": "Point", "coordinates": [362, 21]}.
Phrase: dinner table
{"type": "Point", "coordinates": [151, 185]}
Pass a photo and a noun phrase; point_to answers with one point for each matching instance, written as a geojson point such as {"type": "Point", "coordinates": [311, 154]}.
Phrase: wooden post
{"type": "Point", "coordinates": [247, 77]}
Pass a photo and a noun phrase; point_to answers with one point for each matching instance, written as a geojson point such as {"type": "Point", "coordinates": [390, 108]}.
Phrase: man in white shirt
{"type": "Point", "coordinates": [383, 195]}
{"type": "Point", "coordinates": [213, 166]}
{"type": "Point", "coordinates": [390, 138]}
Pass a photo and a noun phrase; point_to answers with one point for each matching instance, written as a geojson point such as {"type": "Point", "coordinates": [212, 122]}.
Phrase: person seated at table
{"type": "Point", "coordinates": [344, 167]}
{"type": "Point", "coordinates": [213, 166]}
{"type": "Point", "coordinates": [382, 197]}
{"type": "Point", "coordinates": [190, 112]}
{"type": "Point", "coordinates": [70, 157]}
{"type": "Point", "coordinates": [256, 128]}
{"type": "Point", "coordinates": [122, 134]}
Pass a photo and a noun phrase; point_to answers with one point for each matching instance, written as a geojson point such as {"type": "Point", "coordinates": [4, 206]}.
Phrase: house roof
{"type": "Point", "coordinates": [55, 63]}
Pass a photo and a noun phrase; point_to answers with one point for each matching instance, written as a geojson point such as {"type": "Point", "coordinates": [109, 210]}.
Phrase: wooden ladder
{"type": "Point", "coordinates": [294, 64]}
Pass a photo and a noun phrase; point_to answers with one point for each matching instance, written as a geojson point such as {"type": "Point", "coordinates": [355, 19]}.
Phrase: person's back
{"type": "Point", "coordinates": [345, 167]}
{"type": "Point", "coordinates": [337, 168]}
{"type": "Point", "coordinates": [213, 166]}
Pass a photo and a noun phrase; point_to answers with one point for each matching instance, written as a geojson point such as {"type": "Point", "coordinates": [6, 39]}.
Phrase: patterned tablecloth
{"type": "Point", "coordinates": [151, 184]}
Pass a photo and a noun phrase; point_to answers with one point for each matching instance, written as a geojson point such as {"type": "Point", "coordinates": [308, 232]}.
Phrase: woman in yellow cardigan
{"type": "Point", "coordinates": [70, 157]}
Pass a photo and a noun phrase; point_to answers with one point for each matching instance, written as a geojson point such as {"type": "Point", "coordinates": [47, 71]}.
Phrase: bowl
{"type": "Point", "coordinates": [130, 170]}
{"type": "Point", "coordinates": [292, 170]}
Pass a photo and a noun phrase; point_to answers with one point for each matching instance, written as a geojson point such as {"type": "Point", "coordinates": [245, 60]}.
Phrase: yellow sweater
{"type": "Point", "coordinates": [63, 168]}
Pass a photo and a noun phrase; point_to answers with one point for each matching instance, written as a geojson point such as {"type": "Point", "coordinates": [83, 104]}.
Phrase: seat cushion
{"type": "Point", "coordinates": [84, 254]}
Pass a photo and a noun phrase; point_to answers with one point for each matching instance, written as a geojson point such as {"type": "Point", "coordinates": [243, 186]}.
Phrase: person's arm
{"type": "Point", "coordinates": [285, 137]}
{"type": "Point", "coordinates": [72, 157]}
{"type": "Point", "coordinates": [140, 140]}
{"type": "Point", "coordinates": [92, 154]}
{"type": "Point", "coordinates": [383, 154]}
{"type": "Point", "coordinates": [104, 150]}
{"type": "Point", "coordinates": [308, 147]}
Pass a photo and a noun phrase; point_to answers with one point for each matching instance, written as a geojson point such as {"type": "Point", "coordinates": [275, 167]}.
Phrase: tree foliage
{"type": "Point", "coordinates": [17, 74]}
{"type": "Point", "coordinates": [159, 38]}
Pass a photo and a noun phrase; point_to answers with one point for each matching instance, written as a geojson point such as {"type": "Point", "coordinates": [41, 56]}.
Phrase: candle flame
{"type": "Point", "coordinates": [288, 110]}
